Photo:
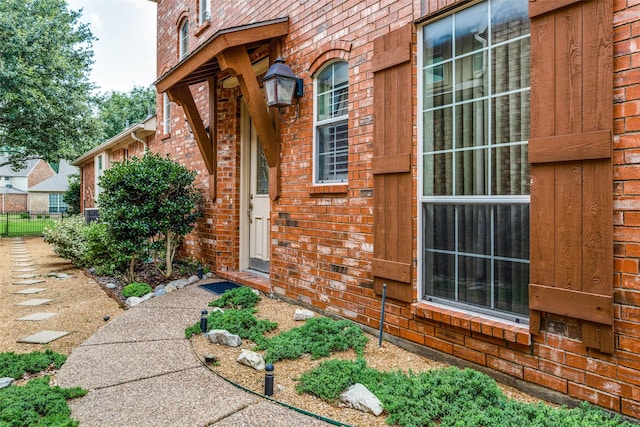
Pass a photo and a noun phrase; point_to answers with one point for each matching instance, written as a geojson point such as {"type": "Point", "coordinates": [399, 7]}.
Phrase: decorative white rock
{"type": "Point", "coordinates": [359, 397]}
{"type": "Point", "coordinates": [303, 314]}
{"type": "Point", "coordinates": [252, 359]}
{"type": "Point", "coordinates": [5, 382]}
{"type": "Point", "coordinates": [220, 336]}
{"type": "Point", "coordinates": [133, 301]}
{"type": "Point", "coordinates": [193, 279]}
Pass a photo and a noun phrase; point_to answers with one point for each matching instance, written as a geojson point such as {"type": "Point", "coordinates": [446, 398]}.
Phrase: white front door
{"type": "Point", "coordinates": [258, 208]}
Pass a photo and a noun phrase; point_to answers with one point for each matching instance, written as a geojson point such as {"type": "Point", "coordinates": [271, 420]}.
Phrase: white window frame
{"type": "Point", "coordinates": [466, 200]}
{"type": "Point", "coordinates": [317, 124]}
{"type": "Point", "coordinates": [183, 39]}
{"type": "Point", "coordinates": [166, 114]}
{"type": "Point", "coordinates": [204, 11]}
{"type": "Point", "coordinates": [60, 205]}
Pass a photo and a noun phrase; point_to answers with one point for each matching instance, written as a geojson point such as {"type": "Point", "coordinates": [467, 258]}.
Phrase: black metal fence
{"type": "Point", "coordinates": [27, 223]}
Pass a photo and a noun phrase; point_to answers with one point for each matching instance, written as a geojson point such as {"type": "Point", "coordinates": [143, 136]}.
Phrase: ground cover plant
{"type": "Point", "coordinates": [242, 322]}
{"type": "Point", "coordinates": [136, 289]}
{"type": "Point", "coordinates": [445, 397]}
{"type": "Point", "coordinates": [319, 336]}
{"type": "Point", "coordinates": [241, 297]}
{"type": "Point", "coordinates": [36, 403]}
{"type": "Point", "coordinates": [16, 365]}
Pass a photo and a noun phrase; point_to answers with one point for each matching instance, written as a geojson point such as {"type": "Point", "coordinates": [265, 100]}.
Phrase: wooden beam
{"type": "Point", "coordinates": [540, 7]}
{"type": "Point", "coordinates": [182, 96]}
{"type": "Point", "coordinates": [236, 59]}
{"type": "Point", "coordinates": [565, 302]}
{"type": "Point", "coordinates": [562, 148]}
{"type": "Point", "coordinates": [213, 135]}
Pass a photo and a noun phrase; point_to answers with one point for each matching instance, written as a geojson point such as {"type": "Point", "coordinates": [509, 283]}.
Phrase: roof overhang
{"type": "Point", "coordinates": [126, 137]}
{"type": "Point", "coordinates": [230, 50]}
{"type": "Point", "coordinates": [202, 63]}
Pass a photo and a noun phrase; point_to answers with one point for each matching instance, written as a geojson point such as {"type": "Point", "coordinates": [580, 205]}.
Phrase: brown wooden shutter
{"type": "Point", "coordinates": [392, 179]}
{"type": "Point", "coordinates": [571, 166]}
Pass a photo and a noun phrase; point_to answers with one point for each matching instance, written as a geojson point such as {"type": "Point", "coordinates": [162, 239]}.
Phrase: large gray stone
{"type": "Point", "coordinates": [133, 301]}
{"type": "Point", "coordinates": [220, 336]}
{"type": "Point", "coordinates": [179, 284]}
{"type": "Point", "coordinates": [5, 382]}
{"type": "Point", "coordinates": [43, 337]}
{"type": "Point", "coordinates": [303, 314]}
{"type": "Point", "coordinates": [359, 397]}
{"type": "Point", "coordinates": [251, 359]}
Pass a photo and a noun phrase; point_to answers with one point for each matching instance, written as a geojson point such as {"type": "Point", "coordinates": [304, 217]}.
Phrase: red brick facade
{"type": "Point", "coordinates": [14, 203]}
{"type": "Point", "coordinates": [39, 173]}
{"type": "Point", "coordinates": [322, 237]}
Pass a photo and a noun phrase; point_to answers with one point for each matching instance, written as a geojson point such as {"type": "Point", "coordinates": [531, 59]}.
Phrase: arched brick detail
{"type": "Point", "coordinates": [331, 50]}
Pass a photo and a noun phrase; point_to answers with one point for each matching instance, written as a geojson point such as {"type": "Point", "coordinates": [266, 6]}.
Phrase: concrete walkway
{"type": "Point", "coordinates": [141, 371]}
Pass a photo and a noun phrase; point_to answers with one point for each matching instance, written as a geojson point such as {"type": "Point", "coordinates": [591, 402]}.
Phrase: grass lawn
{"type": "Point", "coordinates": [19, 226]}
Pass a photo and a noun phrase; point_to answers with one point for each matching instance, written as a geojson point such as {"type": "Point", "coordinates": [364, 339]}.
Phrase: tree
{"type": "Point", "coordinates": [72, 196]}
{"type": "Point", "coordinates": [117, 110]}
{"type": "Point", "coordinates": [45, 93]}
{"type": "Point", "coordinates": [149, 202]}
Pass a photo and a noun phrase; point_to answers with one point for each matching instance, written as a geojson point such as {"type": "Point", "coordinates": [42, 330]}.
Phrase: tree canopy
{"type": "Point", "coordinates": [45, 93]}
{"type": "Point", "coordinates": [118, 110]}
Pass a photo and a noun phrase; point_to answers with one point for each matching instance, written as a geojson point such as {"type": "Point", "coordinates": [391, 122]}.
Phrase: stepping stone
{"type": "Point", "coordinates": [34, 302]}
{"type": "Point", "coordinates": [23, 270]}
{"type": "Point", "coordinates": [43, 337]}
{"type": "Point", "coordinates": [29, 291]}
{"type": "Point", "coordinates": [22, 259]}
{"type": "Point", "coordinates": [24, 264]}
{"type": "Point", "coordinates": [39, 316]}
{"type": "Point", "coordinates": [25, 276]}
{"type": "Point", "coordinates": [19, 252]}
{"type": "Point", "coordinates": [29, 282]}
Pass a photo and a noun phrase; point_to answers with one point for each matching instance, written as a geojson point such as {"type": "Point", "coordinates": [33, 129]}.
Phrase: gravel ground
{"type": "Point", "coordinates": [79, 301]}
{"type": "Point", "coordinates": [386, 358]}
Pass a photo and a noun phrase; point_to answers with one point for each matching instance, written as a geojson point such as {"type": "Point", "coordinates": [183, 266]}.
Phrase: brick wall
{"type": "Point", "coordinates": [39, 173]}
{"type": "Point", "coordinates": [39, 202]}
{"type": "Point", "coordinates": [322, 240]}
{"type": "Point", "coordinates": [14, 203]}
{"type": "Point", "coordinates": [87, 185]}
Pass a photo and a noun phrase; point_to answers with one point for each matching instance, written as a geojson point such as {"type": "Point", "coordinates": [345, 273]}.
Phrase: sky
{"type": "Point", "coordinates": [125, 53]}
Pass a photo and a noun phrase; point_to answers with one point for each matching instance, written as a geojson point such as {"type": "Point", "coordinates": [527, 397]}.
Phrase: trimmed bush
{"type": "Point", "coordinates": [136, 289]}
{"type": "Point", "coordinates": [239, 298]}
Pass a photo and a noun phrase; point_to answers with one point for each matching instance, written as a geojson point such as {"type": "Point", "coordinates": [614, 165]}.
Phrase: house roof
{"type": "Point", "coordinates": [6, 170]}
{"type": "Point", "coordinates": [139, 130]}
{"type": "Point", "coordinates": [11, 190]}
{"type": "Point", "coordinates": [57, 183]}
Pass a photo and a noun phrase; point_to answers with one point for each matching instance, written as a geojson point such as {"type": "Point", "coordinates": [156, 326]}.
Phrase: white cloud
{"type": "Point", "coordinates": [125, 52]}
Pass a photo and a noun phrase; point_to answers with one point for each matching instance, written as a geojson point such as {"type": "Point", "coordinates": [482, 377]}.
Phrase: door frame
{"type": "Point", "coordinates": [245, 189]}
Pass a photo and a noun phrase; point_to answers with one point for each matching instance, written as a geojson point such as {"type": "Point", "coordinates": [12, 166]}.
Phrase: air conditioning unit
{"type": "Point", "coordinates": [8, 185]}
{"type": "Point", "coordinates": [91, 215]}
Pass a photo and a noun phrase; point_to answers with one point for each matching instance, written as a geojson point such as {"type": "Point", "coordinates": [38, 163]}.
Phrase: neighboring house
{"type": "Point", "coordinates": [474, 160]}
{"type": "Point", "coordinates": [17, 184]}
{"type": "Point", "coordinates": [48, 195]}
{"type": "Point", "coordinates": [131, 142]}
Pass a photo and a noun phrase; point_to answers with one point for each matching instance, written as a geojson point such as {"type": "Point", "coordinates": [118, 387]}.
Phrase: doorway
{"type": "Point", "coordinates": [255, 225]}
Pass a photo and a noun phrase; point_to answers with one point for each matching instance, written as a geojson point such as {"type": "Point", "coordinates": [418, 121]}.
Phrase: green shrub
{"type": "Point", "coordinates": [319, 336]}
{"type": "Point", "coordinates": [24, 215]}
{"type": "Point", "coordinates": [86, 245]}
{"type": "Point", "coordinates": [239, 298]}
{"type": "Point", "coordinates": [239, 322]}
{"type": "Point", "coordinates": [136, 289]}
{"type": "Point", "coordinates": [37, 404]}
{"type": "Point", "coordinates": [16, 365]}
{"type": "Point", "coordinates": [67, 238]}
{"type": "Point", "coordinates": [445, 397]}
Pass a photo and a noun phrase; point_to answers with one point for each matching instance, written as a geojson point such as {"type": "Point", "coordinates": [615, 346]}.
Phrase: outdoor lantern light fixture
{"type": "Point", "coordinates": [281, 86]}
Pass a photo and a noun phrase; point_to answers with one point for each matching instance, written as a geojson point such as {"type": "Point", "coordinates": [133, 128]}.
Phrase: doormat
{"type": "Point", "coordinates": [219, 288]}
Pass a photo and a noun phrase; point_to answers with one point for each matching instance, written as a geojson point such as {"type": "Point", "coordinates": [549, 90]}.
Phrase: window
{"type": "Point", "coordinates": [184, 39]}
{"type": "Point", "coordinates": [56, 203]}
{"type": "Point", "coordinates": [204, 10]}
{"type": "Point", "coordinates": [331, 133]}
{"type": "Point", "coordinates": [166, 114]}
{"type": "Point", "coordinates": [475, 172]}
